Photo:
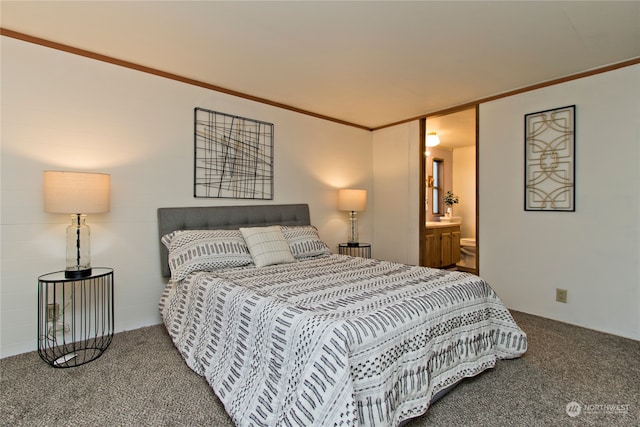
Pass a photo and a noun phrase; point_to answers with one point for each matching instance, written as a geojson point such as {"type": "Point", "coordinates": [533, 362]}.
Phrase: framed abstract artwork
{"type": "Point", "coordinates": [233, 156]}
{"type": "Point", "coordinates": [550, 160]}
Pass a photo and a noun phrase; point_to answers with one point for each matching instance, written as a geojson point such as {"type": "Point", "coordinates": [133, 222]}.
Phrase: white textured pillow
{"type": "Point", "coordinates": [205, 250]}
{"type": "Point", "coordinates": [267, 245]}
{"type": "Point", "coordinates": [304, 241]}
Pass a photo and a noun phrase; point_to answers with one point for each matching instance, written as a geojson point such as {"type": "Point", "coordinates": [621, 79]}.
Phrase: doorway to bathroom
{"type": "Point", "coordinates": [449, 190]}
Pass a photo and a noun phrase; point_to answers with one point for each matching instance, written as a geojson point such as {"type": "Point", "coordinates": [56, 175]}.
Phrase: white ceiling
{"type": "Point", "coordinates": [368, 63]}
{"type": "Point", "coordinates": [455, 130]}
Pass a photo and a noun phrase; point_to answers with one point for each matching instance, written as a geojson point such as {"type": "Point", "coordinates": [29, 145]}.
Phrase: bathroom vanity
{"type": "Point", "coordinates": [443, 244]}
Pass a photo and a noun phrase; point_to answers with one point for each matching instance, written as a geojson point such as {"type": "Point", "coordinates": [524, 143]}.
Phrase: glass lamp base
{"type": "Point", "coordinates": [353, 229]}
{"type": "Point", "coordinates": [78, 253]}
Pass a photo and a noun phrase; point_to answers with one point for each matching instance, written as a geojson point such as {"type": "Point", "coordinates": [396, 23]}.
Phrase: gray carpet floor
{"type": "Point", "coordinates": [141, 380]}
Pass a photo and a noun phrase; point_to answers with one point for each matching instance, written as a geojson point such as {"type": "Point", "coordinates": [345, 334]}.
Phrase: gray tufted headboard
{"type": "Point", "coordinates": [225, 217]}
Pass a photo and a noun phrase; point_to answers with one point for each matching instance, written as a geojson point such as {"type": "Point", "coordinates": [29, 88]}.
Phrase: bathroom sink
{"type": "Point", "coordinates": [451, 219]}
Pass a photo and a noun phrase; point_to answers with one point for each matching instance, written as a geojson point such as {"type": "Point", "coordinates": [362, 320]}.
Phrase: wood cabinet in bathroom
{"type": "Point", "coordinates": [443, 246]}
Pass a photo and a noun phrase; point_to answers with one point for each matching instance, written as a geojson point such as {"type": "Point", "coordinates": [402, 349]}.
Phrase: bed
{"type": "Point", "coordinates": [289, 334]}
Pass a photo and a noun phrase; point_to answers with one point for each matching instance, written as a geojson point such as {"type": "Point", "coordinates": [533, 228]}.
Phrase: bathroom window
{"type": "Point", "coordinates": [437, 191]}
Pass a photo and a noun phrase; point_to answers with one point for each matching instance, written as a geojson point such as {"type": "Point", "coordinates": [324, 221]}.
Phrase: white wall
{"type": "Point", "coordinates": [464, 186]}
{"type": "Point", "coordinates": [396, 205]}
{"type": "Point", "coordinates": [593, 252]}
{"type": "Point", "coordinates": [60, 111]}
{"type": "Point", "coordinates": [65, 112]}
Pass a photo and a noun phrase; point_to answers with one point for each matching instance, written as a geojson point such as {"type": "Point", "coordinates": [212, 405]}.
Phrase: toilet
{"type": "Point", "coordinates": [467, 253]}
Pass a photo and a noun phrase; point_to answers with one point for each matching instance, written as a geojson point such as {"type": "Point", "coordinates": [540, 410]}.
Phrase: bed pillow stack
{"type": "Point", "coordinates": [211, 250]}
{"type": "Point", "coordinates": [205, 250]}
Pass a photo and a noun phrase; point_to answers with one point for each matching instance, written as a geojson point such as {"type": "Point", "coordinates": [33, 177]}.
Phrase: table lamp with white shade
{"type": "Point", "coordinates": [352, 200]}
{"type": "Point", "coordinates": [78, 194]}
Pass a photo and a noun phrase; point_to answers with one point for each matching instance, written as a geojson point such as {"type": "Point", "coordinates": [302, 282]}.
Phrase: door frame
{"type": "Point", "coordinates": [422, 215]}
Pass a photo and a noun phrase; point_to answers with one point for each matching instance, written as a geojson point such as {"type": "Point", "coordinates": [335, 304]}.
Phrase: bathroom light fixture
{"type": "Point", "coordinates": [432, 139]}
{"type": "Point", "coordinates": [77, 193]}
{"type": "Point", "coordinates": [353, 201]}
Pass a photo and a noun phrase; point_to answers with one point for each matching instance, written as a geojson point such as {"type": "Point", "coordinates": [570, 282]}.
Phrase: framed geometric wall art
{"type": "Point", "coordinates": [550, 160]}
{"type": "Point", "coordinates": [233, 156]}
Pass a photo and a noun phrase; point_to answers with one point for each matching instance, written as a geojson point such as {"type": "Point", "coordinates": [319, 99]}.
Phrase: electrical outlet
{"type": "Point", "coordinates": [561, 295]}
{"type": "Point", "coordinates": [53, 312]}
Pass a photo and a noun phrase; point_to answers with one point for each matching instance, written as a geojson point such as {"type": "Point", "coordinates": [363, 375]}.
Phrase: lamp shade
{"type": "Point", "coordinates": [76, 192]}
{"type": "Point", "coordinates": [352, 200]}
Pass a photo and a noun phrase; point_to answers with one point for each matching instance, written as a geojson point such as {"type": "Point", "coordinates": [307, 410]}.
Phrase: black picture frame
{"type": "Point", "coordinates": [233, 156]}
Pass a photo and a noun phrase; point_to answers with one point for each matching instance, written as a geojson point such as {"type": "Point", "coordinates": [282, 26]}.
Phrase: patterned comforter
{"type": "Point", "coordinates": [336, 340]}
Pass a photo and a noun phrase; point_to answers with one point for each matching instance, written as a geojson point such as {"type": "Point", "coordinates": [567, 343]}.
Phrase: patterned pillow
{"type": "Point", "coordinates": [205, 250]}
{"type": "Point", "coordinates": [267, 245]}
{"type": "Point", "coordinates": [304, 241]}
